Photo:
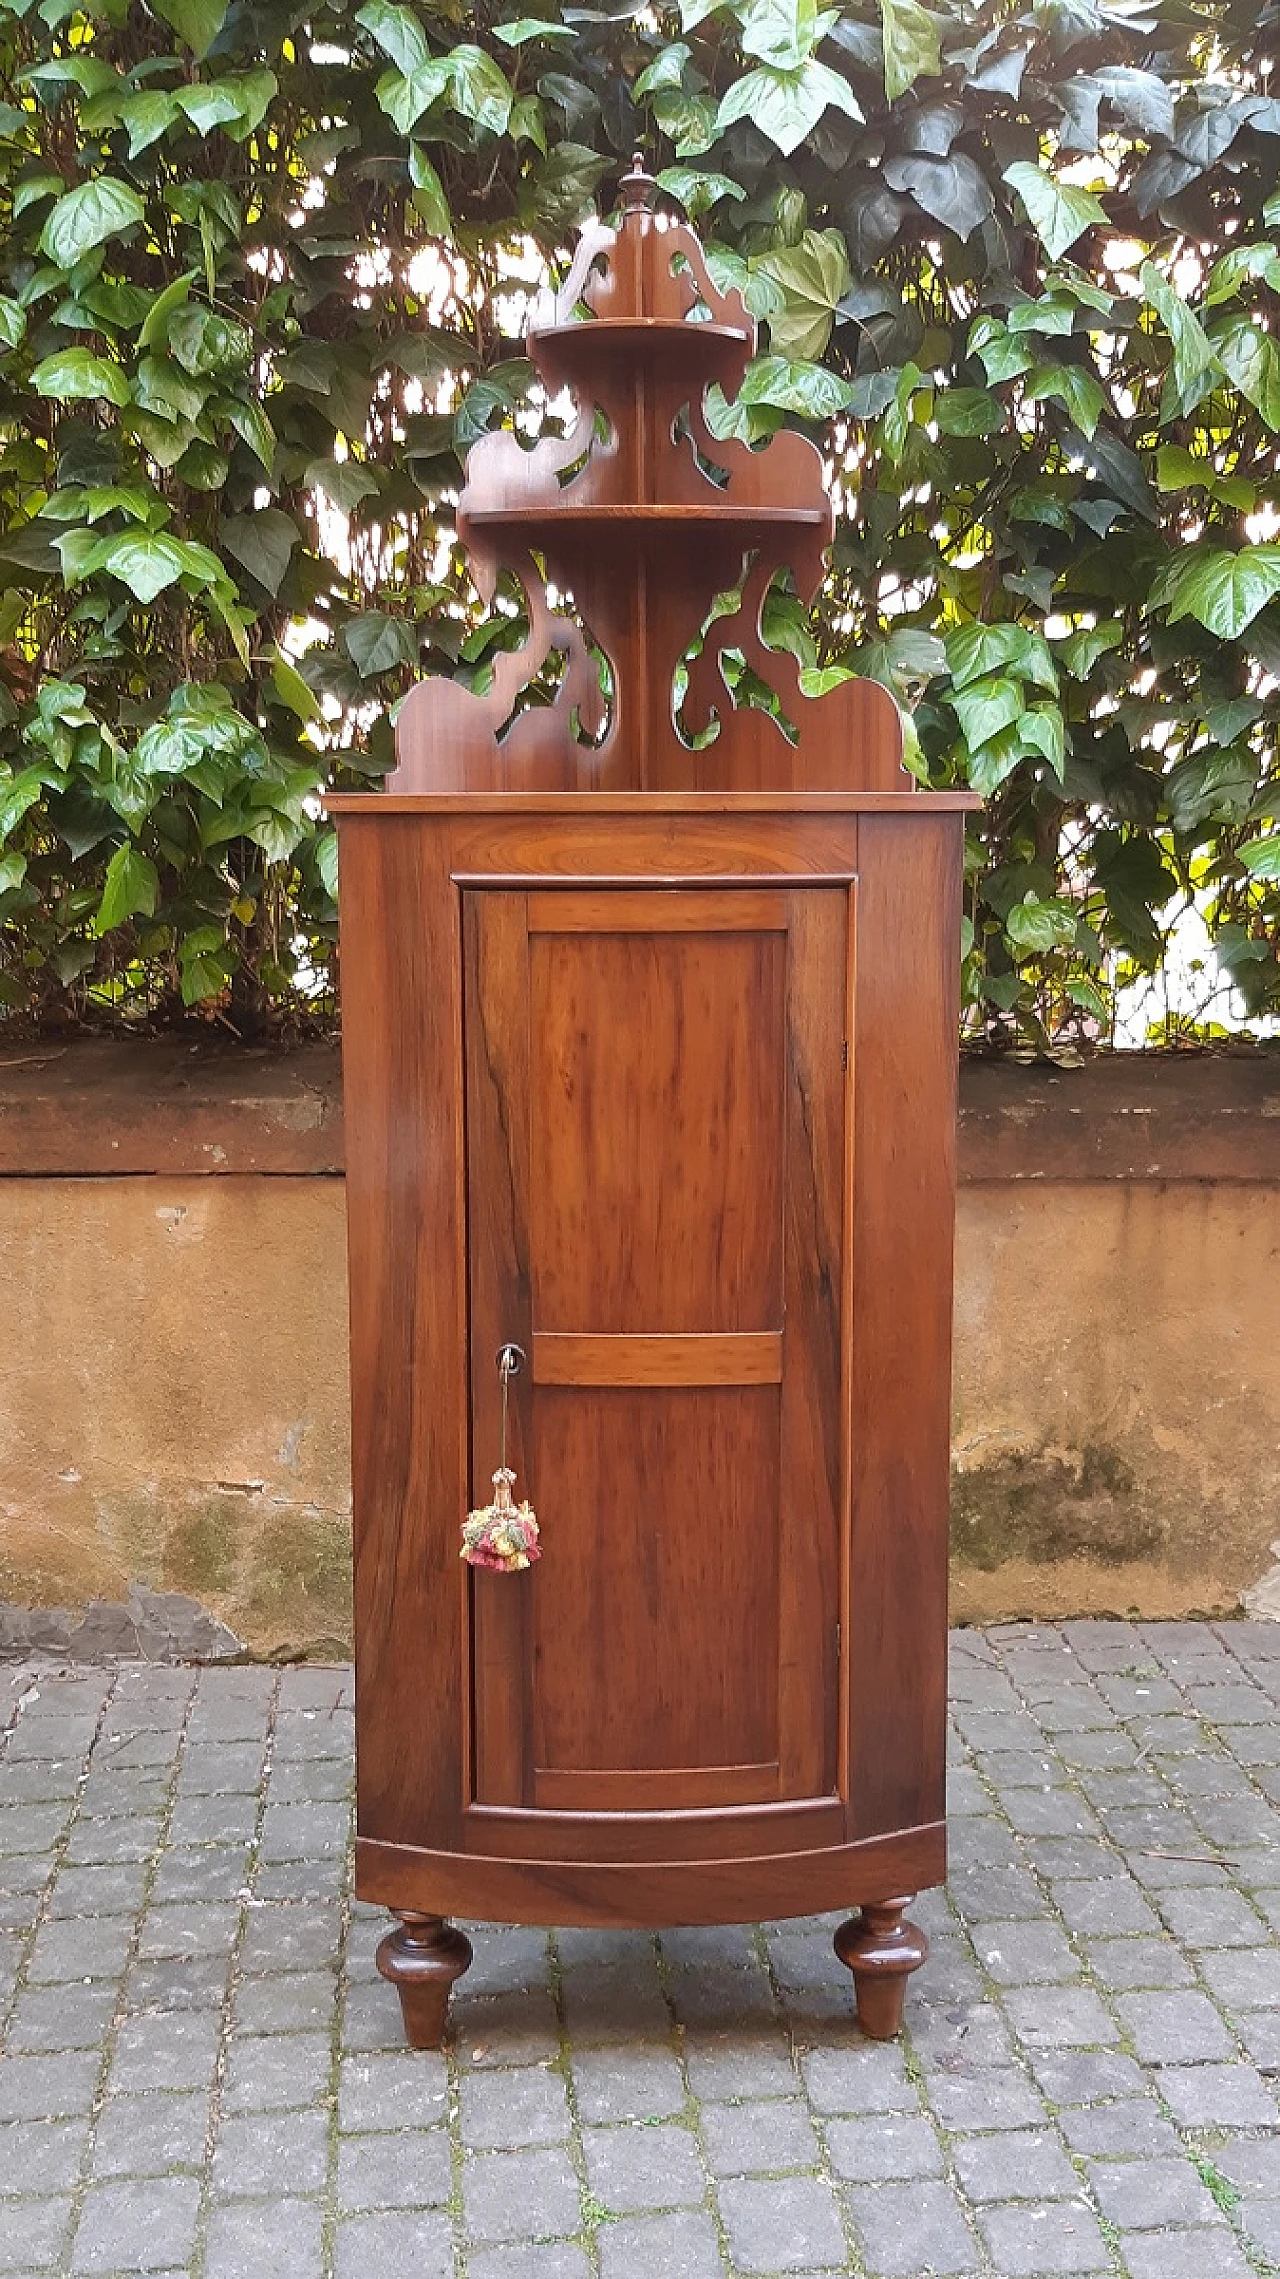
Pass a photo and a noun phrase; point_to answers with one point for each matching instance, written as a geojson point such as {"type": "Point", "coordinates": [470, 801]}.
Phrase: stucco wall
{"type": "Point", "coordinates": [173, 1341]}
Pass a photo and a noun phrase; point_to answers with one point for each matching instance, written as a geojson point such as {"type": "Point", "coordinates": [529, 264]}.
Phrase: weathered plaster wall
{"type": "Point", "coordinates": [173, 1399]}
{"type": "Point", "coordinates": [1116, 1443]}
{"type": "Point", "coordinates": [173, 1345]}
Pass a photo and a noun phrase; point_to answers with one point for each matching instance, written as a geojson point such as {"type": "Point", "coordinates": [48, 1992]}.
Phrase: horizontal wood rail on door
{"type": "Point", "coordinates": [561, 1357]}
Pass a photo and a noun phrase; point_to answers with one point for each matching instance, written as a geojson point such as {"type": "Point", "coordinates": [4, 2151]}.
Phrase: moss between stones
{"type": "Point", "coordinates": [1042, 1505]}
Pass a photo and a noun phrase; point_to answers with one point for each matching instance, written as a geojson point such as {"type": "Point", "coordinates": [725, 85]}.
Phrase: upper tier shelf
{"type": "Point", "coordinates": [712, 516]}
{"type": "Point", "coordinates": [657, 346]}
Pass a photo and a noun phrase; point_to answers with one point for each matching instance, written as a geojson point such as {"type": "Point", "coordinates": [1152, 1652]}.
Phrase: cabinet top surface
{"type": "Point", "coordinates": [620, 804]}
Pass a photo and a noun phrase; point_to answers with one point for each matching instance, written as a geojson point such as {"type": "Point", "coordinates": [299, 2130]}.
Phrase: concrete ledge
{"type": "Point", "coordinates": [99, 1108]}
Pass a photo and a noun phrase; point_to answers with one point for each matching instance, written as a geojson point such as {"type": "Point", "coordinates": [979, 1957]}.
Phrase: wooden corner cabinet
{"type": "Point", "coordinates": [649, 969]}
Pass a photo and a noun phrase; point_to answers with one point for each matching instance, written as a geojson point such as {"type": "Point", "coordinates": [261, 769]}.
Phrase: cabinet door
{"type": "Point", "coordinates": [657, 1170]}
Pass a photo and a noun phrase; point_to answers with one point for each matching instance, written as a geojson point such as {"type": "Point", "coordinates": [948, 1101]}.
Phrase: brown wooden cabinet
{"type": "Point", "coordinates": [649, 1049]}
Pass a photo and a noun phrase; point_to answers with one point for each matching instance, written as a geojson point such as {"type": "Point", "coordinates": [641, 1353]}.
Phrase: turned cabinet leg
{"type": "Point", "coordinates": [422, 1957]}
{"type": "Point", "coordinates": [881, 1950]}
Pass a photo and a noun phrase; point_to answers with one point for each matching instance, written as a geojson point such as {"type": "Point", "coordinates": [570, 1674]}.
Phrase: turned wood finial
{"type": "Point", "coordinates": [637, 191]}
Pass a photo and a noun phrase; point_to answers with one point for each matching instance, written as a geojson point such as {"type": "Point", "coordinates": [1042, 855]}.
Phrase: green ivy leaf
{"type": "Point", "coordinates": [1072, 386]}
{"type": "Point", "coordinates": [1058, 212]}
{"type": "Point", "coordinates": [1261, 858]}
{"type": "Point", "coordinates": [131, 888]}
{"type": "Point", "coordinates": [77, 375]}
{"type": "Point", "coordinates": [89, 216]}
{"type": "Point", "coordinates": [1251, 359]}
{"type": "Point", "coordinates": [784, 33]}
{"type": "Point", "coordinates": [911, 48]}
{"type": "Point", "coordinates": [147, 562]}
{"type": "Point", "coordinates": [196, 22]}
{"type": "Point", "coordinates": [262, 543]}
{"type": "Point", "coordinates": [1037, 927]}
{"type": "Point", "coordinates": [809, 390]}
{"type": "Point", "coordinates": [526, 28]}
{"type": "Point", "coordinates": [986, 707]}
{"type": "Point", "coordinates": [787, 105]}
{"type": "Point", "coordinates": [398, 33]}
{"type": "Point", "coordinates": [1223, 591]}
{"type": "Point", "coordinates": [813, 278]}
{"type": "Point", "coordinates": [1193, 355]}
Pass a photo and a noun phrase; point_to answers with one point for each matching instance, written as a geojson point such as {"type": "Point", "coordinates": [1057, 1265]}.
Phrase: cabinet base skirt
{"type": "Point", "coordinates": [652, 1895]}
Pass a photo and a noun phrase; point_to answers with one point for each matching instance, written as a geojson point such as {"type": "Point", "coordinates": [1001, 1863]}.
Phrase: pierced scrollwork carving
{"type": "Point", "coordinates": [643, 516]}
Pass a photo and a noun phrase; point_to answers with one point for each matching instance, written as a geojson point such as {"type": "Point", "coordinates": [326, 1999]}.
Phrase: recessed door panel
{"type": "Point", "coordinates": [656, 1169]}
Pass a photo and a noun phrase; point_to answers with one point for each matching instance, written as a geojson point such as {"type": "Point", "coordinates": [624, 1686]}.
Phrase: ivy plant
{"type": "Point", "coordinates": [262, 273]}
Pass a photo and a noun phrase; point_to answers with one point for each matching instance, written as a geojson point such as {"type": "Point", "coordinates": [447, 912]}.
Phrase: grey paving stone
{"type": "Point", "coordinates": [1261, 2222]}
{"type": "Point", "coordinates": [968, 2035]}
{"type": "Point", "coordinates": [1132, 2127]}
{"type": "Point", "coordinates": [396, 2246]}
{"type": "Point", "coordinates": [84, 1892]}
{"type": "Point", "coordinates": [1259, 2030]}
{"type": "Point", "coordinates": [270, 2071]}
{"type": "Point", "coordinates": [151, 2135]}
{"type": "Point", "coordinates": [904, 2229]}
{"type": "Point", "coordinates": [30, 1827]}
{"type": "Point", "coordinates": [281, 2236]}
{"type": "Point", "coordinates": [887, 2148]}
{"type": "Point", "coordinates": [741, 2064]}
{"type": "Point", "coordinates": [1172, 2029]}
{"type": "Point", "coordinates": [760, 2136]}
{"type": "Point", "coordinates": [40, 2156]}
{"type": "Point", "coordinates": [70, 1950]}
{"type": "Point", "coordinates": [298, 2002]}
{"type": "Point", "coordinates": [1025, 2165]}
{"type": "Point", "coordinates": [137, 2226]}
{"type": "Point", "coordinates": [73, 2017]}
{"type": "Point", "coordinates": [411, 2169]}
{"type": "Point", "coordinates": [865, 2077]}
{"type": "Point", "coordinates": [1082, 2077]}
{"type": "Point", "coordinates": [1038, 2243]}
{"type": "Point", "coordinates": [524, 2106]}
{"type": "Point", "coordinates": [1114, 1908]}
{"type": "Point", "coordinates": [559, 2260]}
{"type": "Point", "coordinates": [1213, 1918]}
{"type": "Point", "coordinates": [520, 2195]}
{"type": "Point", "coordinates": [679, 2246]}
{"type": "Point", "coordinates": [636, 2166]}
{"type": "Point", "coordinates": [203, 1873]}
{"type": "Point", "coordinates": [305, 1831]}
{"type": "Point", "coordinates": [1060, 2017]}
{"type": "Point", "coordinates": [216, 1769]}
{"type": "Point", "coordinates": [629, 2085]}
{"type": "Point", "coordinates": [172, 2050]}
{"type": "Point", "coordinates": [47, 2088]}
{"type": "Point", "coordinates": [31, 2233]}
{"type": "Point", "coordinates": [1025, 1954]}
{"type": "Point", "coordinates": [187, 1982]}
{"type": "Point", "coordinates": [404, 2090]}
{"type": "Point", "coordinates": [200, 1928]}
{"type": "Point", "coordinates": [256, 2152]}
{"type": "Point", "coordinates": [1145, 2195]}
{"type": "Point", "coordinates": [290, 1937]}
{"type": "Point", "coordinates": [995, 2100]}
{"type": "Point", "coordinates": [1128, 1964]}
{"type": "Point", "coordinates": [96, 1841]}
{"type": "Point", "coordinates": [1244, 1980]}
{"type": "Point", "coordinates": [1183, 2255]}
{"type": "Point", "coordinates": [996, 1895]}
{"type": "Point", "coordinates": [1230, 2096]}
{"type": "Point", "coordinates": [783, 2223]}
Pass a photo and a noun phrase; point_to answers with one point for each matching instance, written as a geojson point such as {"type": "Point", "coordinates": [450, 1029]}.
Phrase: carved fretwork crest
{"type": "Point", "coordinates": [648, 521]}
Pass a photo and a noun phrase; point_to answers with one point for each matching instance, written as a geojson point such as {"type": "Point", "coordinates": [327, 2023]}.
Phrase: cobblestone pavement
{"type": "Point", "coordinates": [201, 2072]}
